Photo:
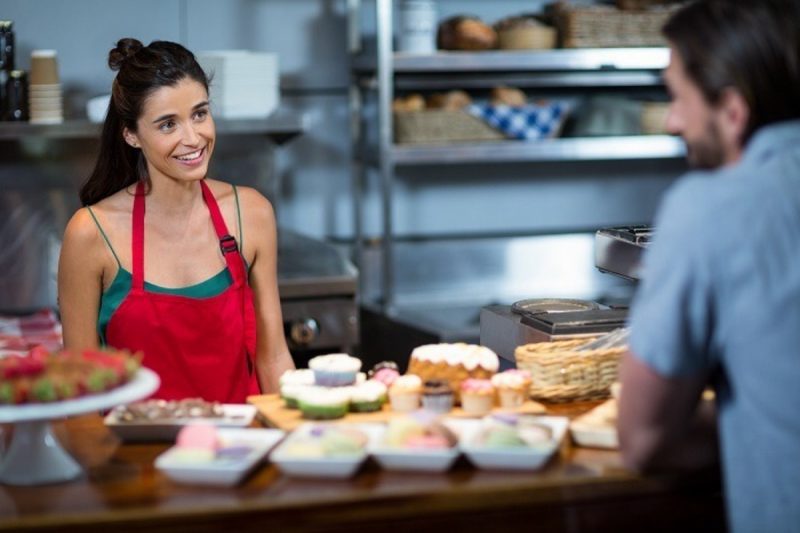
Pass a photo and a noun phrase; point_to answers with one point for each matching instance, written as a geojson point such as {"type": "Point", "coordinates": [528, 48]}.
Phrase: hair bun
{"type": "Point", "coordinates": [125, 49]}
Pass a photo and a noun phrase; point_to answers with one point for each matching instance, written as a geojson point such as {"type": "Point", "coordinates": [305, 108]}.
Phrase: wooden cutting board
{"type": "Point", "coordinates": [273, 413]}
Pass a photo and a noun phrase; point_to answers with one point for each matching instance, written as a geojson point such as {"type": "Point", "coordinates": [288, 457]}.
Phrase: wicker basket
{"type": "Point", "coordinates": [441, 126]}
{"type": "Point", "coordinates": [604, 26]}
{"type": "Point", "coordinates": [560, 374]}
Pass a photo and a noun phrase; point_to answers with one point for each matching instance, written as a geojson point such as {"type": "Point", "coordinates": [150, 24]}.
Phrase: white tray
{"type": "Point", "coordinates": [236, 416]}
{"type": "Point", "coordinates": [222, 472]}
{"type": "Point", "coordinates": [324, 467]}
{"type": "Point", "coordinates": [523, 458]}
{"type": "Point", "coordinates": [421, 460]}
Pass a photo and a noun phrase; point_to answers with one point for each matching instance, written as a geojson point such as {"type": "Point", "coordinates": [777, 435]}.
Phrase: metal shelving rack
{"type": "Point", "coordinates": [383, 71]}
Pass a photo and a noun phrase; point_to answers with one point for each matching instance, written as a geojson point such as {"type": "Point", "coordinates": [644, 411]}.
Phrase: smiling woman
{"type": "Point", "coordinates": [177, 286]}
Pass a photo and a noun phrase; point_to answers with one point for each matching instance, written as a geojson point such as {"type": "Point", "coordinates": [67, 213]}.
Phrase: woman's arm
{"type": "Point", "coordinates": [272, 353]}
{"type": "Point", "coordinates": [80, 282]}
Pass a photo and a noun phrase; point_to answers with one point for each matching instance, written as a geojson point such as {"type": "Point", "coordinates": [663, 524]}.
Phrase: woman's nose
{"type": "Point", "coordinates": [190, 136]}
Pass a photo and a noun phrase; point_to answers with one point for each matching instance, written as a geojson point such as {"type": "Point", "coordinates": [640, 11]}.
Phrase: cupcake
{"type": "Point", "coordinates": [477, 396]}
{"type": "Point", "coordinates": [385, 372]}
{"type": "Point", "coordinates": [321, 403]}
{"type": "Point", "coordinates": [437, 396]}
{"type": "Point", "coordinates": [368, 396]}
{"type": "Point", "coordinates": [292, 382]}
{"type": "Point", "coordinates": [404, 394]}
{"type": "Point", "coordinates": [334, 370]}
{"type": "Point", "coordinates": [512, 387]}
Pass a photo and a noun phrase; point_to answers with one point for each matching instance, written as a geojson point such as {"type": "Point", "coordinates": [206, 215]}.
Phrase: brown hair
{"type": "Point", "coordinates": [142, 70]}
{"type": "Point", "coordinates": [752, 46]}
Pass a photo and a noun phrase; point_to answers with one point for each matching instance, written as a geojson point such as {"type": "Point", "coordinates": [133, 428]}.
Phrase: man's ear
{"type": "Point", "coordinates": [733, 114]}
{"type": "Point", "coordinates": [130, 137]}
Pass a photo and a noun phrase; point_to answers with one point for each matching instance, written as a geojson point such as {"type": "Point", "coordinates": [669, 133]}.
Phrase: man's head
{"type": "Point", "coordinates": [735, 67]}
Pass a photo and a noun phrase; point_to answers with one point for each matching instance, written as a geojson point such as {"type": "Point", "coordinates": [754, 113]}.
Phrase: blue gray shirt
{"type": "Point", "coordinates": [721, 294]}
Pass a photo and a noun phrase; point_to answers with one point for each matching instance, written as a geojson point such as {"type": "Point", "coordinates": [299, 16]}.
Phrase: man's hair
{"type": "Point", "coordinates": [752, 46]}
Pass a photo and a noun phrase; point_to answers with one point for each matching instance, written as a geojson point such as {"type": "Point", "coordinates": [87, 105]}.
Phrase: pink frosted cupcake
{"type": "Point", "coordinates": [512, 387]}
{"type": "Point", "coordinates": [477, 396]}
{"type": "Point", "coordinates": [405, 393]}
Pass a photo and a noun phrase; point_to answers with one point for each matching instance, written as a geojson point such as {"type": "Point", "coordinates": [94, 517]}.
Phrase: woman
{"type": "Point", "coordinates": [172, 284]}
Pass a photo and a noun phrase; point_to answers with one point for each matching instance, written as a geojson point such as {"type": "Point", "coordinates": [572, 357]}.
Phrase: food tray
{"type": "Point", "coordinates": [223, 472]}
{"type": "Point", "coordinates": [235, 415]}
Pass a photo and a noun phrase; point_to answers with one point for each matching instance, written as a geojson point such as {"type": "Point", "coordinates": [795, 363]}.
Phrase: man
{"type": "Point", "coordinates": [719, 304]}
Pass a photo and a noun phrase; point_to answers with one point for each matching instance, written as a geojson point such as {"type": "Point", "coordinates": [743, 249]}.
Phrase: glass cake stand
{"type": "Point", "coordinates": [34, 456]}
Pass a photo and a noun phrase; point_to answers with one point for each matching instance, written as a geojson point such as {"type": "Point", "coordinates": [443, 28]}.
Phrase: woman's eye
{"type": "Point", "coordinates": [167, 125]}
{"type": "Point", "coordinates": [200, 114]}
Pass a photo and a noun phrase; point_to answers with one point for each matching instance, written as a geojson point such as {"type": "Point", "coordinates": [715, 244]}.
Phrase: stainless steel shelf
{"type": "Point", "coordinates": [563, 149]}
{"type": "Point", "coordinates": [579, 59]}
{"type": "Point", "coordinates": [279, 128]}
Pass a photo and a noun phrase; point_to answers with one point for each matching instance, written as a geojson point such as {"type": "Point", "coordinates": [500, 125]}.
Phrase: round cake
{"type": "Point", "coordinates": [453, 362]}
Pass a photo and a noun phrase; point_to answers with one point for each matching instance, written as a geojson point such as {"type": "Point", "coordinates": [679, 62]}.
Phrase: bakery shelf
{"type": "Point", "coordinates": [577, 59]}
{"type": "Point", "coordinates": [562, 149]}
{"type": "Point", "coordinates": [279, 128]}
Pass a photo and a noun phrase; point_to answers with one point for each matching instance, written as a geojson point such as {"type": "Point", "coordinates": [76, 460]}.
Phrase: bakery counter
{"type": "Point", "coordinates": [579, 490]}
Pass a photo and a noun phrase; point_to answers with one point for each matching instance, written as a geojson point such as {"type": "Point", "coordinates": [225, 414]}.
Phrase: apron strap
{"type": "Point", "coordinates": [137, 242]}
{"type": "Point", "coordinates": [227, 243]}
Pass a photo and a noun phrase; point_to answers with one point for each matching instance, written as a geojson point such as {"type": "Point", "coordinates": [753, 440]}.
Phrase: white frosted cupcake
{"type": "Point", "coordinates": [323, 403]}
{"type": "Point", "coordinates": [512, 387]}
{"type": "Point", "coordinates": [334, 370]}
{"type": "Point", "coordinates": [477, 396]}
{"type": "Point", "coordinates": [293, 381]}
{"type": "Point", "coordinates": [368, 396]}
{"type": "Point", "coordinates": [405, 393]}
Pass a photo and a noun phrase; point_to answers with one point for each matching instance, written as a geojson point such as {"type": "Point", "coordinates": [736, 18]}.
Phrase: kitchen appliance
{"type": "Point", "coordinates": [504, 327]}
{"type": "Point", "coordinates": [317, 286]}
{"type": "Point", "coordinates": [619, 250]}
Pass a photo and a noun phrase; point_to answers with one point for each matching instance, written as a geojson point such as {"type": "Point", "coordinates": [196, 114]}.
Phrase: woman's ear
{"type": "Point", "coordinates": [130, 138]}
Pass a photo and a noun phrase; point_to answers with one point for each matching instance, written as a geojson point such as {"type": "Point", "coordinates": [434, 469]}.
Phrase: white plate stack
{"type": "Point", "coordinates": [244, 84]}
{"type": "Point", "coordinates": [44, 93]}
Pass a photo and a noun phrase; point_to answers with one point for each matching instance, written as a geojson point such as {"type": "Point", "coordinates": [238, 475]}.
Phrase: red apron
{"type": "Point", "coordinates": [199, 347]}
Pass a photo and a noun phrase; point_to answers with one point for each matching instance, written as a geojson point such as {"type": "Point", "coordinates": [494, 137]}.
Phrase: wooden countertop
{"type": "Point", "coordinates": [579, 490]}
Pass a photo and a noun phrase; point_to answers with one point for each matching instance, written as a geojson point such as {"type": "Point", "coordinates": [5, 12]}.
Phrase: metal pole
{"type": "Point", "coordinates": [385, 96]}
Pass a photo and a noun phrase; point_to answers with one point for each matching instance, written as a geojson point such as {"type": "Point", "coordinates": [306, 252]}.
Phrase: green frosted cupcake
{"type": "Point", "coordinates": [367, 397]}
{"type": "Point", "coordinates": [321, 403]}
{"type": "Point", "coordinates": [292, 382]}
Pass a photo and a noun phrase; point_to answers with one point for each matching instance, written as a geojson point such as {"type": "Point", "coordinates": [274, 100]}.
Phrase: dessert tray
{"type": "Point", "coordinates": [234, 416]}
{"type": "Point", "coordinates": [249, 447]}
{"type": "Point", "coordinates": [34, 455]}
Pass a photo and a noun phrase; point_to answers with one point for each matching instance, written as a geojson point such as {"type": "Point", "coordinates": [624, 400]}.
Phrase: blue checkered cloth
{"type": "Point", "coordinates": [526, 123]}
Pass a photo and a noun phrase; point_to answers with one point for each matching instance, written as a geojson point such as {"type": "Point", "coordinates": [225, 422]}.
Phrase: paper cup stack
{"type": "Point", "coordinates": [44, 93]}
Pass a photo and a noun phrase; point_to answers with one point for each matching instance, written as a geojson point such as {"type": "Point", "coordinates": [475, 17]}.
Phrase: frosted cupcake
{"type": "Point", "coordinates": [368, 396]}
{"type": "Point", "coordinates": [321, 403]}
{"type": "Point", "coordinates": [334, 370]}
{"type": "Point", "coordinates": [385, 372]}
{"type": "Point", "coordinates": [512, 387]}
{"type": "Point", "coordinates": [437, 396]}
{"type": "Point", "coordinates": [292, 382]}
{"type": "Point", "coordinates": [405, 392]}
{"type": "Point", "coordinates": [477, 396]}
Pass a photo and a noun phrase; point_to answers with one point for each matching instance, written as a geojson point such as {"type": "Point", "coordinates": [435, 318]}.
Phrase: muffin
{"type": "Point", "coordinates": [368, 396]}
{"type": "Point", "coordinates": [437, 396]}
{"type": "Point", "coordinates": [512, 387]}
{"type": "Point", "coordinates": [405, 392]}
{"type": "Point", "coordinates": [477, 396]}
{"type": "Point", "coordinates": [465, 32]}
{"type": "Point", "coordinates": [293, 381]}
{"type": "Point", "coordinates": [322, 403]}
{"type": "Point", "coordinates": [334, 370]}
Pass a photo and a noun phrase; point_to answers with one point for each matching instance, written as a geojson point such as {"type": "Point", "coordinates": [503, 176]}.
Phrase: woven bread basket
{"type": "Point", "coordinates": [605, 26]}
{"type": "Point", "coordinates": [561, 374]}
{"type": "Point", "coordinates": [441, 126]}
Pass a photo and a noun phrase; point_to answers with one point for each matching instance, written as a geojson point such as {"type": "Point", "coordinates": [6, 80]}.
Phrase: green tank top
{"type": "Point", "coordinates": [113, 296]}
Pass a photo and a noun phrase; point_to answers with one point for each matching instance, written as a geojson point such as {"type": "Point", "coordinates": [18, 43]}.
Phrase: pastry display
{"type": "Point", "coordinates": [419, 431]}
{"type": "Point", "coordinates": [453, 362]}
{"type": "Point", "coordinates": [334, 370]}
{"type": "Point", "coordinates": [512, 387]}
{"type": "Point", "coordinates": [477, 396]}
{"type": "Point", "coordinates": [168, 410]}
{"type": "Point", "coordinates": [406, 104]}
{"type": "Point", "coordinates": [50, 377]}
{"type": "Point", "coordinates": [437, 396]}
{"type": "Point", "coordinates": [405, 393]}
{"type": "Point", "coordinates": [512, 431]}
{"type": "Point", "coordinates": [509, 96]}
{"type": "Point", "coordinates": [465, 32]}
{"type": "Point", "coordinates": [454, 100]}
{"type": "Point", "coordinates": [524, 32]}
{"type": "Point", "coordinates": [326, 441]}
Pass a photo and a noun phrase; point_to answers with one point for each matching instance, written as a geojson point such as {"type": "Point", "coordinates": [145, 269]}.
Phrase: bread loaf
{"type": "Point", "coordinates": [465, 32]}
